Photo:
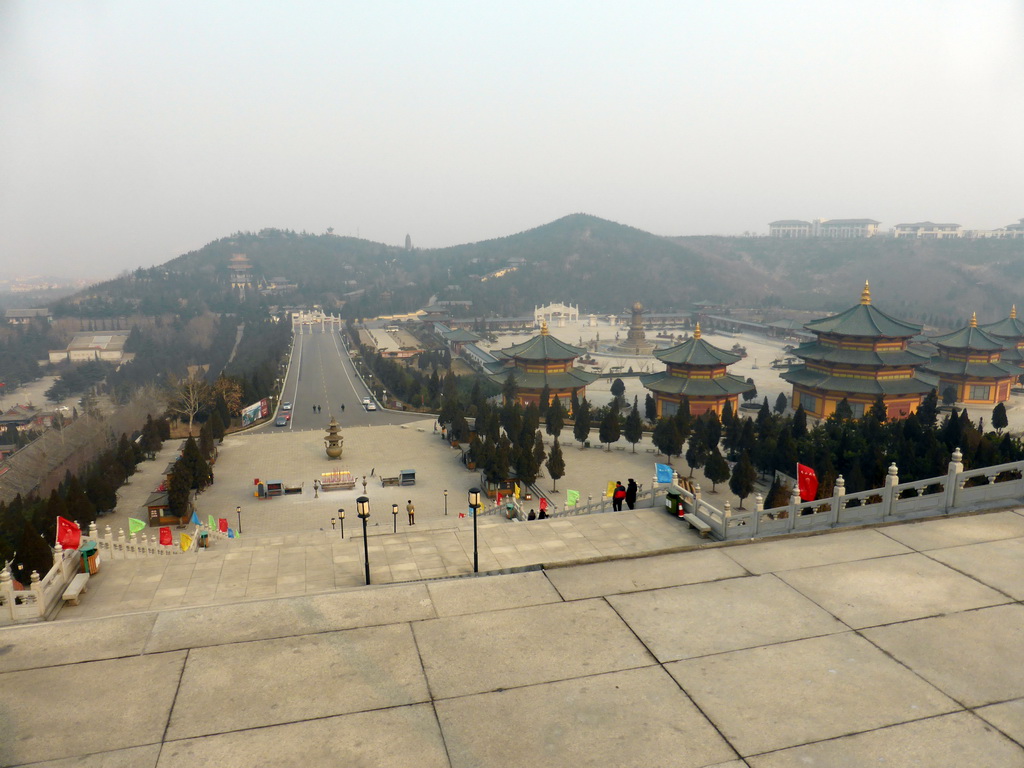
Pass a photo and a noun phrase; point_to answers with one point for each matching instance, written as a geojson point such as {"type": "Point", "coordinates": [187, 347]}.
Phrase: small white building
{"type": "Point", "coordinates": [108, 345]}
{"type": "Point", "coordinates": [927, 230]}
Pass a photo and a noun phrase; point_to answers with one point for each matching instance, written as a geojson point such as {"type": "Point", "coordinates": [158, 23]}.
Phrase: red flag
{"type": "Point", "coordinates": [500, 497]}
{"type": "Point", "coordinates": [807, 481]}
{"type": "Point", "coordinates": [165, 537]}
{"type": "Point", "coordinates": [543, 503]}
{"type": "Point", "coordinates": [69, 535]}
{"type": "Point", "coordinates": [222, 525]}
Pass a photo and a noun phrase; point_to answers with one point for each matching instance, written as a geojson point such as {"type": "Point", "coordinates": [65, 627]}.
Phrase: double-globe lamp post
{"type": "Point", "coordinates": [474, 504]}
{"type": "Point", "coordinates": [363, 510]}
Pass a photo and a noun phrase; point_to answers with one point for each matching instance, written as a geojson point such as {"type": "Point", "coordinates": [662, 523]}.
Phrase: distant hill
{"type": "Point", "coordinates": [600, 265]}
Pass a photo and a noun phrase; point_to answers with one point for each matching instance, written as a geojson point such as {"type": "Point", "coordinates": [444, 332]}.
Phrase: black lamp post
{"type": "Point", "coordinates": [341, 520]}
{"type": "Point", "coordinates": [446, 502]}
{"type": "Point", "coordinates": [474, 504]}
{"type": "Point", "coordinates": [238, 511]}
{"type": "Point", "coordinates": [363, 510]}
{"type": "Point", "coordinates": [394, 517]}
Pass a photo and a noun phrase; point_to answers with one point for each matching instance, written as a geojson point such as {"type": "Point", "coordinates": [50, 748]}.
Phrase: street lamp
{"type": "Point", "coordinates": [446, 501]}
{"type": "Point", "coordinates": [394, 516]}
{"type": "Point", "coordinates": [363, 510]}
{"type": "Point", "coordinates": [341, 519]}
{"type": "Point", "coordinates": [474, 504]}
{"type": "Point", "coordinates": [238, 511]}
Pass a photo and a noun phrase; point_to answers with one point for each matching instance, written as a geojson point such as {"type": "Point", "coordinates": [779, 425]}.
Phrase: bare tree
{"type": "Point", "coordinates": [189, 396]}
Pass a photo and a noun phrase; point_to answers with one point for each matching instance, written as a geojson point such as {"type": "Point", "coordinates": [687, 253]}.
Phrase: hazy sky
{"type": "Point", "coordinates": [132, 131]}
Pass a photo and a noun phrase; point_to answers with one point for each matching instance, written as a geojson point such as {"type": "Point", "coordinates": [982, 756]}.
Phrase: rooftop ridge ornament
{"type": "Point", "coordinates": [974, 320]}
{"type": "Point", "coordinates": [865, 295]}
{"type": "Point", "coordinates": [696, 331]}
{"type": "Point", "coordinates": [544, 328]}
{"type": "Point", "coordinates": [1013, 312]}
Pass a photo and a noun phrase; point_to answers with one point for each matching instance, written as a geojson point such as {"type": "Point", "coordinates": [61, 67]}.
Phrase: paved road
{"type": "Point", "coordinates": [321, 373]}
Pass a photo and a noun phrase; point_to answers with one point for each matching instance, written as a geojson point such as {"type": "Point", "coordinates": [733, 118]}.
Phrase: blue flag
{"type": "Point", "coordinates": [231, 533]}
{"type": "Point", "coordinates": [195, 519]}
{"type": "Point", "coordinates": [663, 472]}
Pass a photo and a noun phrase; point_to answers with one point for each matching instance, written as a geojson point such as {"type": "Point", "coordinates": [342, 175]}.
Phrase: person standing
{"type": "Point", "coordinates": [618, 496]}
{"type": "Point", "coordinates": [412, 512]}
{"type": "Point", "coordinates": [631, 491]}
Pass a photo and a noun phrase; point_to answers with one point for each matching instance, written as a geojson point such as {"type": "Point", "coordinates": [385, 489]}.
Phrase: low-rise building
{"type": "Point", "coordinates": [927, 230]}
{"type": "Point", "coordinates": [107, 345]}
{"type": "Point", "coordinates": [27, 316]}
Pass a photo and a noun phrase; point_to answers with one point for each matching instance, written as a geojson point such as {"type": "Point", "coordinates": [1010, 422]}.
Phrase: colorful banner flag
{"type": "Point", "coordinates": [663, 472]}
{"type": "Point", "coordinates": [543, 504]}
{"type": "Point", "coordinates": [516, 491]}
{"type": "Point", "coordinates": [165, 537]}
{"type": "Point", "coordinates": [195, 519]}
{"type": "Point", "coordinates": [807, 481]}
{"type": "Point", "coordinates": [135, 525]}
{"type": "Point", "coordinates": [610, 490]}
{"type": "Point", "coordinates": [186, 542]}
{"type": "Point", "coordinates": [211, 522]}
{"type": "Point", "coordinates": [69, 535]}
{"type": "Point", "coordinates": [572, 498]}
{"type": "Point", "coordinates": [222, 525]}
{"type": "Point", "coordinates": [231, 533]}
{"type": "Point", "coordinates": [498, 499]}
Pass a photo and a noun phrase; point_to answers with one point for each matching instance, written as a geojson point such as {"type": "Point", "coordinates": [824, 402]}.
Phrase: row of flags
{"type": "Point", "coordinates": [69, 533]}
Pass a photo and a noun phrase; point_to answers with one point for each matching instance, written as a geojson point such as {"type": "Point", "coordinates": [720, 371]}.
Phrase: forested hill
{"type": "Point", "coordinates": [600, 265]}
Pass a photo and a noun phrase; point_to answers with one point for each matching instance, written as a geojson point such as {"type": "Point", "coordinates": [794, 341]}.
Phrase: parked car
{"type": "Point", "coordinates": [281, 421]}
{"type": "Point", "coordinates": [286, 406]}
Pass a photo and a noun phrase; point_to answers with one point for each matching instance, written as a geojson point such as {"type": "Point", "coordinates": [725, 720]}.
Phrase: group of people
{"type": "Point", "coordinates": [625, 493]}
{"type": "Point", "coordinates": [318, 409]}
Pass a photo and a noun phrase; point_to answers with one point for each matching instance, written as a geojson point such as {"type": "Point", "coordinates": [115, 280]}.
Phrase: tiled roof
{"type": "Point", "coordinates": [679, 385]}
{"type": "Point", "coordinates": [864, 320]}
{"type": "Point", "coordinates": [697, 351]}
{"type": "Point", "coordinates": [818, 380]}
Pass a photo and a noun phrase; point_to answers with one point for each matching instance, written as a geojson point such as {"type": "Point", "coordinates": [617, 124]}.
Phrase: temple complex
{"type": "Point", "coordinates": [697, 372]}
{"type": "Point", "coordinates": [1010, 330]}
{"type": "Point", "coordinates": [542, 361]}
{"type": "Point", "coordinates": [860, 355]}
{"type": "Point", "coordinates": [636, 342]}
{"type": "Point", "coordinates": [970, 363]}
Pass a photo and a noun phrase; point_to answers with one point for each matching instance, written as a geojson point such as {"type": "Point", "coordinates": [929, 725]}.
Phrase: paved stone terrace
{"type": "Point", "coordinates": [900, 646]}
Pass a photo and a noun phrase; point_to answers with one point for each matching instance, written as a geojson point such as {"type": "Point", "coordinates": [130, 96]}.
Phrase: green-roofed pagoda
{"type": "Point", "coordinates": [542, 361]}
{"type": "Point", "coordinates": [1010, 330]}
{"type": "Point", "coordinates": [970, 362]}
{"type": "Point", "coordinates": [696, 371]}
{"type": "Point", "coordinates": [860, 355]}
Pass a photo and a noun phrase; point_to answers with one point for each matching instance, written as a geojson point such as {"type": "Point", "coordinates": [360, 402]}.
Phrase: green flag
{"type": "Point", "coordinates": [211, 522]}
{"type": "Point", "coordinates": [572, 498]}
{"type": "Point", "coordinates": [134, 526]}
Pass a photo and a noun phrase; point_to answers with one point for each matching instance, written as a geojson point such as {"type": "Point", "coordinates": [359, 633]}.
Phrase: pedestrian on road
{"type": "Point", "coordinates": [412, 512]}
{"type": "Point", "coordinates": [342, 407]}
{"type": "Point", "coordinates": [631, 491]}
{"type": "Point", "coordinates": [314, 409]}
{"type": "Point", "coordinates": [618, 496]}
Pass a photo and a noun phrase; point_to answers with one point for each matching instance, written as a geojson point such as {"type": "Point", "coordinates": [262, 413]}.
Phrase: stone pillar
{"type": "Point", "coordinates": [37, 589]}
{"type": "Point", "coordinates": [93, 531]}
{"type": "Point", "coordinates": [794, 499]}
{"type": "Point", "coordinates": [837, 500]}
{"type": "Point", "coordinates": [889, 500]}
{"type": "Point", "coordinates": [953, 481]}
{"type": "Point", "coordinates": [58, 554]}
{"type": "Point", "coordinates": [7, 591]}
{"type": "Point", "coordinates": [726, 519]}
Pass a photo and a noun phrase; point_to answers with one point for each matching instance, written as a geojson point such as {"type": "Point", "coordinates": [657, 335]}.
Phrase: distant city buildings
{"type": "Point", "coordinates": [856, 228]}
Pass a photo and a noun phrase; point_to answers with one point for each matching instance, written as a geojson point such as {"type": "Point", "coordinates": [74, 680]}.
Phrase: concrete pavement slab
{"type": "Point", "coordinates": [474, 595]}
{"type": "Point", "coordinates": [958, 531]}
{"type": "Point", "coordinates": [697, 620]}
{"type": "Point", "coordinates": [984, 665]}
{"type": "Point", "coordinates": [46, 645]}
{"type": "Point", "coordinates": [1007, 717]}
{"type": "Point", "coordinates": [637, 574]}
{"type": "Point", "coordinates": [133, 757]}
{"type": "Point", "coordinates": [637, 717]}
{"type": "Point", "coordinates": [399, 736]}
{"type": "Point", "coordinates": [955, 740]}
{"type": "Point", "coordinates": [523, 646]}
{"type": "Point", "coordinates": [300, 615]}
{"type": "Point", "coordinates": [789, 694]}
{"type": "Point", "coordinates": [808, 551]}
{"type": "Point", "coordinates": [79, 709]}
{"type": "Point", "coordinates": [867, 593]}
{"type": "Point", "coordinates": [269, 682]}
{"type": "Point", "coordinates": [1000, 564]}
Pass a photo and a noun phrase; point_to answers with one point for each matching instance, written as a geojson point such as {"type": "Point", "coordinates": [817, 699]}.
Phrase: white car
{"type": "Point", "coordinates": [286, 406]}
{"type": "Point", "coordinates": [370, 406]}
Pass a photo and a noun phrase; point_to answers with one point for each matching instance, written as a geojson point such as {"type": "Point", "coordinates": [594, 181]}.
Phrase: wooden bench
{"type": "Point", "coordinates": [389, 480]}
{"type": "Point", "coordinates": [76, 587]}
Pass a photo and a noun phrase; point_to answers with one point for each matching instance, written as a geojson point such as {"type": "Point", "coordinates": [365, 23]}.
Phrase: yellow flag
{"type": "Point", "coordinates": [611, 489]}
{"type": "Point", "coordinates": [517, 490]}
{"type": "Point", "coordinates": [186, 542]}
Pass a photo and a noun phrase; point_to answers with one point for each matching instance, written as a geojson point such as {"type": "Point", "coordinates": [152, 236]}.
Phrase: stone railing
{"type": "Point", "coordinates": [956, 491]}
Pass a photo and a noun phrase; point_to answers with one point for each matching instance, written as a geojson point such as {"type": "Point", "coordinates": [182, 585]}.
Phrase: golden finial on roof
{"type": "Point", "coordinates": [865, 295]}
{"type": "Point", "coordinates": [543, 327]}
{"type": "Point", "coordinates": [696, 331]}
{"type": "Point", "coordinates": [1013, 312]}
{"type": "Point", "coordinates": [974, 320]}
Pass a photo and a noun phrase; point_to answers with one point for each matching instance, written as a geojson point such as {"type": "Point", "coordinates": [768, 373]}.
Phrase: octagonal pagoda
{"type": "Point", "coordinates": [542, 361]}
{"type": "Point", "coordinates": [696, 371]}
{"type": "Point", "coordinates": [1010, 330]}
{"type": "Point", "coordinates": [860, 355]}
{"type": "Point", "coordinates": [970, 362]}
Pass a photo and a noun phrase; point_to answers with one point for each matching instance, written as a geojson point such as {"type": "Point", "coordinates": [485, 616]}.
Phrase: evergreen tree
{"type": "Point", "coordinates": [581, 428]}
{"type": "Point", "coordinates": [179, 488]}
{"type": "Point", "coordinates": [539, 454]}
{"type": "Point", "coordinates": [217, 427]}
{"type": "Point", "coordinates": [33, 554]}
{"type": "Point", "coordinates": [634, 428]}
{"type": "Point", "coordinates": [781, 403]}
{"type": "Point", "coordinates": [609, 430]}
{"type": "Point", "coordinates": [999, 420]}
{"type": "Point", "coordinates": [545, 400]}
{"type": "Point", "coordinates": [929, 409]}
{"type": "Point", "coordinates": [697, 451]}
{"type": "Point", "coordinates": [752, 393]}
{"type": "Point", "coordinates": [712, 429]}
{"type": "Point", "coordinates": [555, 465]}
{"type": "Point", "coordinates": [650, 408]}
{"type": "Point", "coordinates": [949, 396]}
{"type": "Point", "coordinates": [618, 389]}
{"type": "Point", "coordinates": [80, 509]}
{"type": "Point", "coordinates": [716, 469]}
{"type": "Point", "coordinates": [666, 438]}
{"type": "Point", "coordinates": [879, 412]}
{"type": "Point", "coordinates": [743, 478]}
{"type": "Point", "coordinates": [778, 495]}
{"type": "Point", "coordinates": [727, 417]}
{"type": "Point", "coordinates": [206, 446]}
{"type": "Point", "coordinates": [574, 403]}
{"type": "Point", "coordinates": [764, 414]}
{"type": "Point", "coordinates": [555, 418]}
{"type": "Point", "coordinates": [800, 422]}
{"type": "Point", "coordinates": [198, 470]}
{"type": "Point", "coordinates": [843, 411]}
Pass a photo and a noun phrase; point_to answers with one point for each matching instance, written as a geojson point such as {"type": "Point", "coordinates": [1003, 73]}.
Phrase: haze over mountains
{"type": "Point", "coordinates": [601, 265]}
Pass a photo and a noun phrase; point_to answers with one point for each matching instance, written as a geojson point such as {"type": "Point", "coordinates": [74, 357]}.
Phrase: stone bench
{"type": "Point", "coordinates": [696, 523]}
{"type": "Point", "coordinates": [76, 587]}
